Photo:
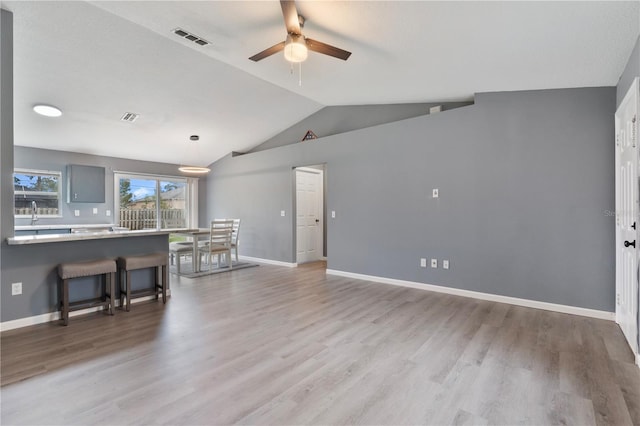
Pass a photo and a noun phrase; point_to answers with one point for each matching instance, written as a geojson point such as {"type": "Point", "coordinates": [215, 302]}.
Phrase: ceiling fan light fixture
{"type": "Point", "coordinates": [295, 48]}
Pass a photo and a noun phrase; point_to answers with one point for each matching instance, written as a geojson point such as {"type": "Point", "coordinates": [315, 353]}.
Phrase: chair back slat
{"type": "Point", "coordinates": [236, 232]}
{"type": "Point", "coordinates": [221, 232]}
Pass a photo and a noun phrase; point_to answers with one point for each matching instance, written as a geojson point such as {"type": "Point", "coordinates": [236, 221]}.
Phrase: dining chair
{"type": "Point", "coordinates": [235, 236]}
{"type": "Point", "coordinates": [178, 249]}
{"type": "Point", "coordinates": [219, 242]}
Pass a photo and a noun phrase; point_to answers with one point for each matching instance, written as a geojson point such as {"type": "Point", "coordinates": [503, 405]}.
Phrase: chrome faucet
{"type": "Point", "coordinates": [34, 213]}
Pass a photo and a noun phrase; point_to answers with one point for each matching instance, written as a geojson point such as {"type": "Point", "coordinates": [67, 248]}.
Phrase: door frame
{"type": "Point", "coordinates": [635, 345]}
{"type": "Point", "coordinates": [318, 169]}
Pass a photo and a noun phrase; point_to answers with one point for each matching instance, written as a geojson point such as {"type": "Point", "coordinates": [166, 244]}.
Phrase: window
{"type": "Point", "coordinates": [155, 202]}
{"type": "Point", "coordinates": [42, 187]}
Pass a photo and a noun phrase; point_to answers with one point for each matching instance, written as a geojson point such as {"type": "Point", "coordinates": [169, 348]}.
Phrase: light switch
{"type": "Point", "coordinates": [445, 264]}
{"type": "Point", "coordinates": [333, 214]}
{"type": "Point", "coordinates": [282, 213]}
{"type": "Point", "coordinates": [423, 263]}
{"type": "Point", "coordinates": [95, 210]}
{"type": "Point", "coordinates": [434, 263]}
{"type": "Point", "coordinates": [76, 212]}
{"type": "Point", "coordinates": [108, 213]}
{"type": "Point", "coordinates": [16, 289]}
{"type": "Point", "coordinates": [434, 193]}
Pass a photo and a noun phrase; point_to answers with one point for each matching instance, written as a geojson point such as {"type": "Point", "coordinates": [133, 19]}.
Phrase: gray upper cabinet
{"type": "Point", "coordinates": [85, 184]}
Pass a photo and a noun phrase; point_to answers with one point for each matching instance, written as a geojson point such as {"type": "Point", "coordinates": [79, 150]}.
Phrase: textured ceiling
{"type": "Point", "coordinates": [97, 60]}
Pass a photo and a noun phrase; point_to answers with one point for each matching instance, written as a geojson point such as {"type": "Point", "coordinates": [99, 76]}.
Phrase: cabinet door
{"type": "Point", "coordinates": [85, 184]}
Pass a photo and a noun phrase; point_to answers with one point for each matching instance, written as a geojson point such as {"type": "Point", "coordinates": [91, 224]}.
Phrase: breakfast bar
{"type": "Point", "coordinates": [80, 236]}
{"type": "Point", "coordinates": [39, 281]}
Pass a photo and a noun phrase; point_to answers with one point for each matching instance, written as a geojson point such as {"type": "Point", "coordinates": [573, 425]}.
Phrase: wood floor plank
{"type": "Point", "coordinates": [275, 345]}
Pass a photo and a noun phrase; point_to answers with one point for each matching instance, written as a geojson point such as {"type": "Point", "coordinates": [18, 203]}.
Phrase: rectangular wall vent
{"type": "Point", "coordinates": [129, 117]}
{"type": "Point", "coordinates": [191, 37]}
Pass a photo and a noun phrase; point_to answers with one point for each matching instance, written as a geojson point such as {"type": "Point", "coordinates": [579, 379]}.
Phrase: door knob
{"type": "Point", "coordinates": [632, 243]}
{"type": "Point", "coordinates": [634, 225]}
{"type": "Point", "coordinates": [317, 220]}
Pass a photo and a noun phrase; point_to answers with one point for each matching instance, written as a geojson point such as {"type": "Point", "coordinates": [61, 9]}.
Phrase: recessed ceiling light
{"type": "Point", "coordinates": [47, 110]}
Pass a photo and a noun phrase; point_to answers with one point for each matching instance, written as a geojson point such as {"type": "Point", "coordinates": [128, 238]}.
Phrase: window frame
{"type": "Point", "coordinates": [191, 195]}
{"type": "Point", "coordinates": [35, 172]}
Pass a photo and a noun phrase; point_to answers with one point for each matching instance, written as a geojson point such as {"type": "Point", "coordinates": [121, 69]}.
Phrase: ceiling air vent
{"type": "Point", "coordinates": [191, 37]}
{"type": "Point", "coordinates": [129, 117]}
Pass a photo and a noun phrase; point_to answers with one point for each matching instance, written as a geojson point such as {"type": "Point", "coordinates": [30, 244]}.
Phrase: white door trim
{"type": "Point", "coordinates": [626, 289]}
{"type": "Point", "coordinates": [319, 234]}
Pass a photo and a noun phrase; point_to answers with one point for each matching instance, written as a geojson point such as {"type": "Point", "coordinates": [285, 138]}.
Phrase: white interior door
{"type": "Point", "coordinates": [627, 196]}
{"type": "Point", "coordinates": [309, 217]}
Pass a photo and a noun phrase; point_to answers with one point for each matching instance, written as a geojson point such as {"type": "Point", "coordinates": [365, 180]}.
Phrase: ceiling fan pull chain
{"type": "Point", "coordinates": [300, 74]}
{"type": "Point", "coordinates": [291, 68]}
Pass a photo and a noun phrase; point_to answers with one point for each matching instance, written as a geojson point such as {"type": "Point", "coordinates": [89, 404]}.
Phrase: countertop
{"type": "Point", "coordinates": [58, 238]}
{"type": "Point", "coordinates": [63, 226]}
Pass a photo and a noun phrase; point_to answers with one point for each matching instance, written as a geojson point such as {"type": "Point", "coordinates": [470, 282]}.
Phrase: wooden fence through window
{"type": "Point", "coordinates": [146, 219]}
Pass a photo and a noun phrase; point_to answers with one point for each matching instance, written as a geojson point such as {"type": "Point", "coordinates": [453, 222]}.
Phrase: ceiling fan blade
{"type": "Point", "coordinates": [290, 14]}
{"type": "Point", "coordinates": [268, 52]}
{"type": "Point", "coordinates": [327, 49]}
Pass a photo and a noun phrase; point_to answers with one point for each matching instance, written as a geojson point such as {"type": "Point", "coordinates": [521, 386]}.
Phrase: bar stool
{"type": "Point", "coordinates": [67, 271]}
{"type": "Point", "coordinates": [126, 264]}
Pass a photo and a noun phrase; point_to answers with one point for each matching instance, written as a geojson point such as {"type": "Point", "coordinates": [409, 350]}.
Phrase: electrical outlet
{"type": "Point", "coordinates": [434, 263]}
{"type": "Point", "coordinates": [95, 210]}
{"type": "Point", "coordinates": [333, 214]}
{"type": "Point", "coordinates": [76, 212]}
{"type": "Point", "coordinates": [282, 213]}
{"type": "Point", "coordinates": [423, 263]}
{"type": "Point", "coordinates": [435, 193]}
{"type": "Point", "coordinates": [16, 289]}
{"type": "Point", "coordinates": [108, 213]}
{"type": "Point", "coordinates": [445, 264]}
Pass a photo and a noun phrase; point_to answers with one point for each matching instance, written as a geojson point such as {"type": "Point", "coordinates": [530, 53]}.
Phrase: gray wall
{"type": "Point", "coordinates": [333, 120]}
{"type": "Point", "coordinates": [631, 71]}
{"type": "Point", "coordinates": [42, 159]}
{"type": "Point", "coordinates": [525, 179]}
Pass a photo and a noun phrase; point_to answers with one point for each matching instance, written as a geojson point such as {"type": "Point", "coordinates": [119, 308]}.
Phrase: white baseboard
{"type": "Point", "coordinates": [268, 261]}
{"type": "Point", "coordinates": [54, 316]}
{"type": "Point", "coordinates": [585, 312]}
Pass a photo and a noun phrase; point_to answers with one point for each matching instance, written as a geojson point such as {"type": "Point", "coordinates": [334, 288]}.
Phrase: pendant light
{"type": "Point", "coordinates": [195, 170]}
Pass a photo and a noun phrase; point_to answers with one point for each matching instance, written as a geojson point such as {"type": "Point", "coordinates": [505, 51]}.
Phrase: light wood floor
{"type": "Point", "coordinates": [274, 345]}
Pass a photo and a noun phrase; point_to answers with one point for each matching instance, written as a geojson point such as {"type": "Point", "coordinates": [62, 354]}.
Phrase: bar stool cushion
{"type": "Point", "coordinates": [129, 263]}
{"type": "Point", "coordinates": [86, 269]}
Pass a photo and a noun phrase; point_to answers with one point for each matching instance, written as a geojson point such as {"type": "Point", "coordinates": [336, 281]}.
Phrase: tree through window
{"type": "Point", "coordinates": [43, 187]}
{"type": "Point", "coordinates": [150, 202]}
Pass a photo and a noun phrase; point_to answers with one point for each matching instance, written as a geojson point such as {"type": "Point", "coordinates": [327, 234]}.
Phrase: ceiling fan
{"type": "Point", "coordinates": [296, 46]}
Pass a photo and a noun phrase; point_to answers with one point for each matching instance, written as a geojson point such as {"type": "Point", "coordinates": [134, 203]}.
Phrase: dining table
{"type": "Point", "coordinates": [195, 235]}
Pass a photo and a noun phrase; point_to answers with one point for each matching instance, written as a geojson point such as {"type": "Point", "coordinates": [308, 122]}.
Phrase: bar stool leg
{"type": "Point", "coordinates": [128, 285]}
{"type": "Point", "coordinates": [156, 284]}
{"type": "Point", "coordinates": [112, 292]}
{"type": "Point", "coordinates": [121, 287]}
{"type": "Point", "coordinates": [65, 302]}
{"type": "Point", "coordinates": [165, 283]}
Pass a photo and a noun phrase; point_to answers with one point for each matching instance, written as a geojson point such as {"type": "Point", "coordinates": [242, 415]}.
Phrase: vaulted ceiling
{"type": "Point", "coordinates": [98, 60]}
